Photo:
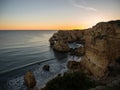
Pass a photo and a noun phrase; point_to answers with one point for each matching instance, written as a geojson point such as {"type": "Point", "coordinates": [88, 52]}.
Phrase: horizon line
{"type": "Point", "coordinates": [36, 29]}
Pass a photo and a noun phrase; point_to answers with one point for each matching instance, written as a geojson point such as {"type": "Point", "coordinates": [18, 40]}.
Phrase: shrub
{"type": "Point", "coordinates": [70, 81]}
{"type": "Point", "coordinates": [118, 60]}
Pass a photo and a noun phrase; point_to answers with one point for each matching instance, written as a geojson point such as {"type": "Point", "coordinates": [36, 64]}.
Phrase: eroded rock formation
{"type": "Point", "coordinates": [59, 41]}
{"type": "Point", "coordinates": [80, 51]}
{"type": "Point", "coordinates": [102, 44]}
{"type": "Point", "coordinates": [61, 46]}
{"type": "Point", "coordinates": [73, 65]}
{"type": "Point", "coordinates": [29, 80]}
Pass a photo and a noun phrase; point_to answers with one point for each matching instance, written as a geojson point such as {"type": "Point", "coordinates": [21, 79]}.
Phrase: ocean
{"type": "Point", "coordinates": [22, 51]}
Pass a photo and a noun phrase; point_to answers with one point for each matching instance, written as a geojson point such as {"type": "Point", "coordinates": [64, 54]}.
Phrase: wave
{"type": "Point", "coordinates": [17, 47]}
{"type": "Point", "coordinates": [24, 52]}
{"type": "Point", "coordinates": [26, 65]}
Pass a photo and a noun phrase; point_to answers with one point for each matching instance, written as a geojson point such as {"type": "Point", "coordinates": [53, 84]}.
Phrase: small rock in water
{"type": "Point", "coordinates": [29, 80]}
{"type": "Point", "coordinates": [46, 67]}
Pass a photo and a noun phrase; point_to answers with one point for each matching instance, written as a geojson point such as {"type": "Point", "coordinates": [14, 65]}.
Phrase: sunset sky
{"type": "Point", "coordinates": [56, 14]}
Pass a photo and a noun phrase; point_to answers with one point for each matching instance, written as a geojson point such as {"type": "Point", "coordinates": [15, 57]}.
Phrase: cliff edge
{"type": "Point", "coordinates": [102, 44]}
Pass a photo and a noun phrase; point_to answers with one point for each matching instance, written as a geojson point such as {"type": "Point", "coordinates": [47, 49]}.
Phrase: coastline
{"type": "Point", "coordinates": [15, 79]}
{"type": "Point", "coordinates": [96, 62]}
{"type": "Point", "coordinates": [101, 60]}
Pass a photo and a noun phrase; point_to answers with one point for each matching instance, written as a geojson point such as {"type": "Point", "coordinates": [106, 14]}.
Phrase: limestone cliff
{"type": "Point", "coordinates": [102, 44]}
{"type": "Point", "coordinates": [59, 41]}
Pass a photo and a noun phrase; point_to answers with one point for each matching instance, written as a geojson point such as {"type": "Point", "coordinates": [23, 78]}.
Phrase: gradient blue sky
{"type": "Point", "coordinates": [56, 14]}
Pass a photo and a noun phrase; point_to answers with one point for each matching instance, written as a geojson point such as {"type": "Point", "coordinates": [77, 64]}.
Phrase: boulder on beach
{"type": "Point", "coordinates": [46, 67]}
{"type": "Point", "coordinates": [29, 80]}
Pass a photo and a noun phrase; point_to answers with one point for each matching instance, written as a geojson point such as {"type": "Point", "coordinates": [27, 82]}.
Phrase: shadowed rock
{"type": "Point", "coordinates": [61, 46]}
{"type": "Point", "coordinates": [73, 65]}
{"type": "Point", "coordinates": [77, 51]}
{"type": "Point", "coordinates": [59, 41]}
{"type": "Point", "coordinates": [80, 51]}
{"type": "Point", "coordinates": [46, 67]}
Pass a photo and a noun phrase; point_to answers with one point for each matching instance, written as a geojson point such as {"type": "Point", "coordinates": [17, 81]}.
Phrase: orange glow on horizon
{"type": "Point", "coordinates": [40, 27]}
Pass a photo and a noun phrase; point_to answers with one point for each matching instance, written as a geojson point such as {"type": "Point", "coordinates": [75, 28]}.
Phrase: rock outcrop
{"type": "Point", "coordinates": [102, 44]}
{"type": "Point", "coordinates": [59, 41]}
{"type": "Point", "coordinates": [77, 51]}
{"type": "Point", "coordinates": [80, 51]}
{"type": "Point", "coordinates": [73, 65]}
{"type": "Point", "coordinates": [30, 80]}
{"type": "Point", "coordinates": [46, 67]}
{"type": "Point", "coordinates": [61, 46]}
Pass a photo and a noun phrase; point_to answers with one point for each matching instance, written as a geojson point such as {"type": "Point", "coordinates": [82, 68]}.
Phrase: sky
{"type": "Point", "coordinates": [56, 14]}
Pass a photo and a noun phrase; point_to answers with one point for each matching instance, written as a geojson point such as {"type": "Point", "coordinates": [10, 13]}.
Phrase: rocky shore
{"type": "Point", "coordinates": [101, 46]}
{"type": "Point", "coordinates": [61, 41]}
{"type": "Point", "coordinates": [100, 52]}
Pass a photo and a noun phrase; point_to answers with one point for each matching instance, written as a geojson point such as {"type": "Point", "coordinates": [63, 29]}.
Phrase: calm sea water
{"type": "Point", "coordinates": [21, 51]}
{"type": "Point", "coordinates": [22, 48]}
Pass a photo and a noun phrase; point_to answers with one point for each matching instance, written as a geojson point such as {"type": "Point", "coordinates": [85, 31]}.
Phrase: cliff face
{"type": "Point", "coordinates": [59, 41]}
{"type": "Point", "coordinates": [68, 36]}
{"type": "Point", "coordinates": [102, 44]}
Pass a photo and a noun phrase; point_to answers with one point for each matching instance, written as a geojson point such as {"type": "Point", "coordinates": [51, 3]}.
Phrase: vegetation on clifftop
{"type": "Point", "coordinates": [70, 81]}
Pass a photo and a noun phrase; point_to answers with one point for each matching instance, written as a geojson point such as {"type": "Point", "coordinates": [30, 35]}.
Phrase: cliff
{"type": "Point", "coordinates": [59, 41]}
{"type": "Point", "coordinates": [102, 44]}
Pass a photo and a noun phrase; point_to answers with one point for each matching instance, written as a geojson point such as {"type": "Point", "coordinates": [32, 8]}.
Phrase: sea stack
{"type": "Point", "coordinates": [30, 80]}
